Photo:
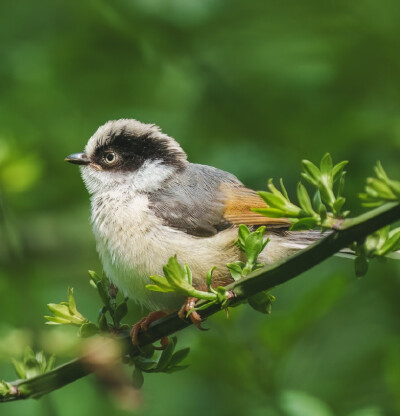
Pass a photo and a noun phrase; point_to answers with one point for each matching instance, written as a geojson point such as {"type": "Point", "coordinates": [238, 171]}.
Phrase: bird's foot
{"type": "Point", "coordinates": [188, 307]}
{"type": "Point", "coordinates": [143, 325]}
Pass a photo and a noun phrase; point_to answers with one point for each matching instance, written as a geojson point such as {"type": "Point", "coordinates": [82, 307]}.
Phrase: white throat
{"type": "Point", "coordinates": [148, 178]}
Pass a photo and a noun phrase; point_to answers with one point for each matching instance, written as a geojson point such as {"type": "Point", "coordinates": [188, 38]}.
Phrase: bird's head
{"type": "Point", "coordinates": [127, 152]}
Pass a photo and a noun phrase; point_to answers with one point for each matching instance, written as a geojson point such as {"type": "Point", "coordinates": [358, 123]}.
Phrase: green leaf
{"type": "Point", "coordinates": [137, 378]}
{"type": "Point", "coordinates": [95, 277]}
{"type": "Point", "coordinates": [309, 179]}
{"type": "Point", "coordinates": [179, 356]}
{"type": "Point", "coordinates": [261, 302]}
{"type": "Point", "coordinates": [162, 283]}
{"type": "Point", "coordinates": [209, 277]}
{"type": "Point", "coordinates": [177, 277]}
{"type": "Point", "coordinates": [323, 213]}
{"type": "Point", "coordinates": [6, 389]}
{"type": "Point", "coordinates": [71, 301]}
{"type": "Point", "coordinates": [236, 269]}
{"type": "Point", "coordinates": [304, 199]}
{"type": "Point", "coordinates": [222, 295]}
{"type": "Point", "coordinates": [254, 244]}
{"type": "Point", "coordinates": [188, 273]}
{"type": "Point", "coordinates": [380, 172]}
{"type": "Point", "coordinates": [88, 330]}
{"type": "Point", "coordinates": [276, 192]}
{"type": "Point", "coordinates": [19, 368]}
{"type": "Point", "coordinates": [337, 170]}
{"type": "Point", "coordinates": [120, 312]}
{"type": "Point", "coordinates": [103, 324]}
{"type": "Point", "coordinates": [305, 224]}
{"type": "Point", "coordinates": [284, 189]}
{"type": "Point", "coordinates": [243, 233]}
{"type": "Point", "coordinates": [395, 187]}
{"type": "Point", "coordinates": [338, 204]}
{"type": "Point", "coordinates": [312, 172]}
{"type": "Point", "coordinates": [273, 200]}
{"type": "Point", "coordinates": [59, 310]}
{"type": "Point", "coordinates": [270, 212]}
{"type": "Point", "coordinates": [144, 364]}
{"type": "Point", "coordinates": [326, 165]}
{"type": "Point", "coordinates": [166, 356]}
{"type": "Point", "coordinates": [341, 185]}
{"type": "Point", "coordinates": [29, 355]}
{"type": "Point", "coordinates": [156, 288]}
{"type": "Point", "coordinates": [50, 363]}
{"type": "Point", "coordinates": [317, 200]}
{"type": "Point", "coordinates": [55, 320]}
{"type": "Point", "coordinates": [391, 244]}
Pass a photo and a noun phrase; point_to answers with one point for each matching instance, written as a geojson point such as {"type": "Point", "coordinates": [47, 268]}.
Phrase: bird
{"type": "Point", "coordinates": [148, 203]}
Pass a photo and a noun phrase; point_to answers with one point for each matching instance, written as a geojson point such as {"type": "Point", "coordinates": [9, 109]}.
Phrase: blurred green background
{"type": "Point", "coordinates": [249, 87]}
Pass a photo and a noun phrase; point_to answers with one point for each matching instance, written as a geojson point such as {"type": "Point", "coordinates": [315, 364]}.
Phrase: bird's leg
{"type": "Point", "coordinates": [143, 324]}
{"type": "Point", "coordinates": [194, 315]}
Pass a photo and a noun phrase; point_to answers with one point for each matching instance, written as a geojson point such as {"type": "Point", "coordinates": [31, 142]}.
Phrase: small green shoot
{"type": "Point", "coordinates": [380, 189]}
{"type": "Point", "coordinates": [33, 364]}
{"type": "Point", "coordinates": [322, 210]}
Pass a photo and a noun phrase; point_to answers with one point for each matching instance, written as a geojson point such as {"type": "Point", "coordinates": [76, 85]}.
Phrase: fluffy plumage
{"type": "Point", "coordinates": [149, 203]}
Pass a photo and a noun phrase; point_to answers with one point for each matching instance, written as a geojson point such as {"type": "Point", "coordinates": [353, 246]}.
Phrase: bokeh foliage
{"type": "Point", "coordinates": [252, 88]}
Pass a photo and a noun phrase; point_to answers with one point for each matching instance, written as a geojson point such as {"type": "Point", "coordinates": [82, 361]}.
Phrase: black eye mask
{"type": "Point", "coordinates": [131, 152]}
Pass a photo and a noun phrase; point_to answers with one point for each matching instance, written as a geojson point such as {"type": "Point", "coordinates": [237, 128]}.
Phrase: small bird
{"type": "Point", "coordinates": [149, 203]}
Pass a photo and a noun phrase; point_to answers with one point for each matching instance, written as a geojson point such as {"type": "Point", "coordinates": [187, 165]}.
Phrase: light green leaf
{"type": "Point", "coordinates": [270, 212]}
{"type": "Point", "coordinates": [304, 199]}
{"type": "Point", "coordinates": [236, 269]}
{"type": "Point", "coordinates": [156, 288]}
{"type": "Point", "coordinates": [305, 224]}
{"type": "Point", "coordinates": [326, 165]}
{"type": "Point", "coordinates": [337, 170]}
{"type": "Point", "coordinates": [71, 301]}
{"type": "Point", "coordinates": [313, 173]}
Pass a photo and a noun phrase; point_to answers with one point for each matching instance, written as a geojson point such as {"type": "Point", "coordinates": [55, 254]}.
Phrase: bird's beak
{"type": "Point", "coordinates": [77, 159]}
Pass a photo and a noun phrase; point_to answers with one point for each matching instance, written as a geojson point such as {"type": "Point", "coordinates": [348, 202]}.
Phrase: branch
{"type": "Point", "coordinates": [346, 232]}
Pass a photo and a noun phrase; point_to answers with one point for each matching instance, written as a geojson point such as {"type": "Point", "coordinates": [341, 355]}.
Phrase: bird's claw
{"type": "Point", "coordinates": [143, 325]}
{"type": "Point", "coordinates": [187, 310]}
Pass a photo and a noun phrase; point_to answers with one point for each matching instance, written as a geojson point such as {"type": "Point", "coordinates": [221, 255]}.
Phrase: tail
{"type": "Point", "coordinates": [299, 240]}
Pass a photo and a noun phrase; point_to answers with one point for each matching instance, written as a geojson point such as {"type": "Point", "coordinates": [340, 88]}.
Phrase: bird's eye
{"type": "Point", "coordinates": [110, 158]}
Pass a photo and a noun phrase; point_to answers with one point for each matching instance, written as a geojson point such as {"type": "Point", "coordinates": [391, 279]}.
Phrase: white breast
{"type": "Point", "coordinates": [134, 244]}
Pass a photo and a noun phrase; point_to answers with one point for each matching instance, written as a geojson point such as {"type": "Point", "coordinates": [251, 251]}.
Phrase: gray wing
{"type": "Point", "coordinates": [193, 201]}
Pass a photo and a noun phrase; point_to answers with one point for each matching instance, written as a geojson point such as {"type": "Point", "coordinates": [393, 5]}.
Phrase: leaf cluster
{"type": "Point", "coordinates": [252, 244]}
{"type": "Point", "coordinates": [6, 390]}
{"type": "Point", "coordinates": [380, 189]}
{"type": "Point", "coordinates": [115, 310]}
{"type": "Point", "coordinates": [377, 245]}
{"type": "Point", "coordinates": [66, 313]}
{"type": "Point", "coordinates": [169, 361]}
{"type": "Point", "coordinates": [326, 204]}
{"type": "Point", "coordinates": [178, 279]}
{"type": "Point", "coordinates": [33, 364]}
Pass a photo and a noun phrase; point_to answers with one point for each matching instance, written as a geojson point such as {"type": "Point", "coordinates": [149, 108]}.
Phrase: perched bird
{"type": "Point", "coordinates": [149, 203]}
